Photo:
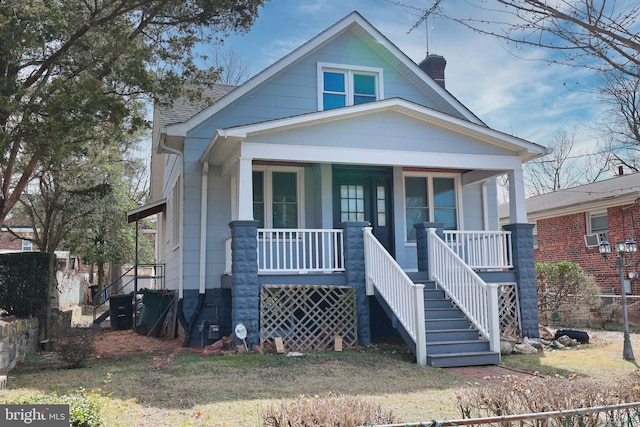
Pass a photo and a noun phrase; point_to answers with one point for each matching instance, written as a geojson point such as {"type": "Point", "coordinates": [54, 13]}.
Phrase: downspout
{"type": "Point", "coordinates": [203, 226]}
{"type": "Point", "coordinates": [190, 326]}
{"type": "Point", "coordinates": [164, 148]}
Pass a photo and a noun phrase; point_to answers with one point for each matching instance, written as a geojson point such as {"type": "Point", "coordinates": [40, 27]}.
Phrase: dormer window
{"type": "Point", "coordinates": [340, 86]}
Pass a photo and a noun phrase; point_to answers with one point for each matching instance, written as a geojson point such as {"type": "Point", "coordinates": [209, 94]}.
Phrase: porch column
{"type": "Point", "coordinates": [245, 290]}
{"type": "Point", "coordinates": [517, 203]}
{"type": "Point", "coordinates": [354, 270]}
{"type": "Point", "coordinates": [525, 269]}
{"type": "Point", "coordinates": [422, 242]}
{"type": "Point", "coordinates": [245, 189]}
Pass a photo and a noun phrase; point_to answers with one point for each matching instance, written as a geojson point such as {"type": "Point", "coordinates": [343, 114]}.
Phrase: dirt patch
{"type": "Point", "coordinates": [110, 343]}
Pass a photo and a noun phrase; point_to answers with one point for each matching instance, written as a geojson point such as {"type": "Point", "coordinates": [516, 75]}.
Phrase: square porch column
{"type": "Point", "coordinates": [422, 242]}
{"type": "Point", "coordinates": [355, 274]}
{"type": "Point", "coordinates": [524, 266]}
{"type": "Point", "coordinates": [245, 290]}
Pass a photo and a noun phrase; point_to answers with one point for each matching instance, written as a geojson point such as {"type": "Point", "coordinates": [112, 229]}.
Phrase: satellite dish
{"type": "Point", "coordinates": [241, 331]}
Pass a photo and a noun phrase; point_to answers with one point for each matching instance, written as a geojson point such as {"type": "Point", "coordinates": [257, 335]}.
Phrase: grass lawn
{"type": "Point", "coordinates": [184, 388]}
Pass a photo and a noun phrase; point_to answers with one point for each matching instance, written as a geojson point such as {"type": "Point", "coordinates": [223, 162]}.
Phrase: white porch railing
{"type": "Point", "coordinates": [404, 297]}
{"type": "Point", "coordinates": [477, 299]}
{"type": "Point", "coordinates": [286, 250]}
{"type": "Point", "coordinates": [482, 250]}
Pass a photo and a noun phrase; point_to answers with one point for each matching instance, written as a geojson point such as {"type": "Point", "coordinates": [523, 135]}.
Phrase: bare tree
{"type": "Point", "coordinates": [564, 168]}
{"type": "Point", "coordinates": [621, 126]}
{"type": "Point", "coordinates": [232, 68]}
{"type": "Point", "coordinates": [597, 34]}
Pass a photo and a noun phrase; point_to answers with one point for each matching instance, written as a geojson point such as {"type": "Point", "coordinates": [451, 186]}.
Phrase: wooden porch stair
{"type": "Point", "coordinates": [451, 338]}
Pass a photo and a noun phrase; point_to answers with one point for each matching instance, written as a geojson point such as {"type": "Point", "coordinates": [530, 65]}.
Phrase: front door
{"type": "Point", "coordinates": [364, 193]}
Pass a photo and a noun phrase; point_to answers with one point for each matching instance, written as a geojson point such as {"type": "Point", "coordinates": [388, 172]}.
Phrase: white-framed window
{"type": "Point", "coordinates": [27, 245]}
{"type": "Point", "coordinates": [598, 223]}
{"type": "Point", "coordinates": [278, 194]}
{"type": "Point", "coordinates": [177, 212]}
{"type": "Point", "coordinates": [342, 85]}
{"type": "Point", "coordinates": [430, 198]}
{"type": "Point", "coordinates": [534, 232]}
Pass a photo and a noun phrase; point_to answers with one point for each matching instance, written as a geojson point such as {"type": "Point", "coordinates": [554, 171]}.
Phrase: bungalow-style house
{"type": "Point", "coordinates": [570, 224]}
{"type": "Point", "coordinates": [337, 195]}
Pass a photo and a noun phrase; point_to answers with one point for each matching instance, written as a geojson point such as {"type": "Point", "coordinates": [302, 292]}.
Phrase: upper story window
{"type": "Point", "coordinates": [340, 86]}
{"type": "Point", "coordinates": [277, 197]}
{"type": "Point", "coordinates": [430, 198]}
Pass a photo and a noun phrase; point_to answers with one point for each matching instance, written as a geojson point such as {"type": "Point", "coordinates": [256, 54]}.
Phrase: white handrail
{"type": "Point", "coordinates": [483, 250]}
{"type": "Point", "coordinates": [405, 298]}
{"type": "Point", "coordinates": [286, 250]}
{"type": "Point", "coordinates": [477, 299]}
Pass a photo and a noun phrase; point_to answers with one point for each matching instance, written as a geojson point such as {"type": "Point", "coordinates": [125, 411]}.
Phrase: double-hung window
{"type": "Point", "coordinates": [340, 86]}
{"type": "Point", "coordinates": [277, 197]}
{"type": "Point", "coordinates": [598, 223]}
{"type": "Point", "coordinates": [27, 245]}
{"type": "Point", "coordinates": [430, 198]}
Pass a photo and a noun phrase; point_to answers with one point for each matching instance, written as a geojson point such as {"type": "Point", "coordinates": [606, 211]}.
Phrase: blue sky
{"type": "Point", "coordinates": [527, 98]}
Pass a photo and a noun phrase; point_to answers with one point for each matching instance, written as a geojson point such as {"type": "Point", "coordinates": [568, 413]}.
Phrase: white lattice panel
{"type": "Point", "coordinates": [510, 325]}
{"type": "Point", "coordinates": [308, 317]}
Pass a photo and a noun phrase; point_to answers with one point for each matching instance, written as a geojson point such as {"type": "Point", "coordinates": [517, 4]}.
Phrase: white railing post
{"type": "Point", "coordinates": [367, 260]}
{"type": "Point", "coordinates": [421, 336]}
{"type": "Point", "coordinates": [493, 311]}
{"type": "Point", "coordinates": [431, 252]}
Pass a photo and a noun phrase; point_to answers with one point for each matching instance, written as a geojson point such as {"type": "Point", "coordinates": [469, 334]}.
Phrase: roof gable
{"type": "Point", "coordinates": [474, 132]}
{"type": "Point", "coordinates": [356, 24]}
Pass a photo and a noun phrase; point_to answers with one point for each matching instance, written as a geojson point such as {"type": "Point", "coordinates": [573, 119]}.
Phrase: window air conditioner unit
{"type": "Point", "coordinates": [591, 240]}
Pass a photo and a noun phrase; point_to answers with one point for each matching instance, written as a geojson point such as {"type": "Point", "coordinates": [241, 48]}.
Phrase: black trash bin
{"type": "Point", "coordinates": [155, 304]}
{"type": "Point", "coordinates": [121, 311]}
{"type": "Point", "coordinates": [94, 292]}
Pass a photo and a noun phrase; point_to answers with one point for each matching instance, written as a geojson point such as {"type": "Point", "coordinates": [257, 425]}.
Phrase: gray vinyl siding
{"type": "Point", "coordinates": [171, 256]}
{"type": "Point", "coordinates": [294, 91]}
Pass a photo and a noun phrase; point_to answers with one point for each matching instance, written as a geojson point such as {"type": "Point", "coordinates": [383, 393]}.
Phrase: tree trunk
{"type": "Point", "coordinates": [100, 280]}
{"type": "Point", "coordinates": [51, 289]}
{"type": "Point", "coordinates": [116, 279]}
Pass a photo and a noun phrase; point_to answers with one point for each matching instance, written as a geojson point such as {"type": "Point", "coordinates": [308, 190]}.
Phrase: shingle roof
{"type": "Point", "coordinates": [182, 109]}
{"type": "Point", "coordinates": [600, 191]}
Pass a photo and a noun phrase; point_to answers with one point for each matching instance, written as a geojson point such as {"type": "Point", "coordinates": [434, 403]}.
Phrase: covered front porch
{"type": "Point", "coordinates": [348, 267]}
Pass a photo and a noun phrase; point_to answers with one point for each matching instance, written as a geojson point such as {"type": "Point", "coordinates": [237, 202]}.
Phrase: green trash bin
{"type": "Point", "coordinates": [155, 304]}
{"type": "Point", "coordinates": [121, 311]}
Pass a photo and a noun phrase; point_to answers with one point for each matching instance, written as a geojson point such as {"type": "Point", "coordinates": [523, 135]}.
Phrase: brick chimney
{"type": "Point", "coordinates": [434, 66]}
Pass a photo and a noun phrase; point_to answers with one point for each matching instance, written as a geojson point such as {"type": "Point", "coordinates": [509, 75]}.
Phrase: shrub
{"type": "Point", "coordinates": [565, 292]}
{"type": "Point", "coordinates": [85, 407]}
{"type": "Point", "coordinates": [325, 411]}
{"type": "Point", "coordinates": [75, 347]}
{"type": "Point", "coordinates": [533, 394]}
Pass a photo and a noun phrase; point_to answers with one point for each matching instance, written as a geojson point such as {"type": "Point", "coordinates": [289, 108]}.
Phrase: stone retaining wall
{"type": "Point", "coordinates": [18, 338]}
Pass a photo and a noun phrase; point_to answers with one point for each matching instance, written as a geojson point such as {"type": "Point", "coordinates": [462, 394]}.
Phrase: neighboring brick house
{"type": "Point", "coordinates": [14, 237]}
{"type": "Point", "coordinates": [571, 223]}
